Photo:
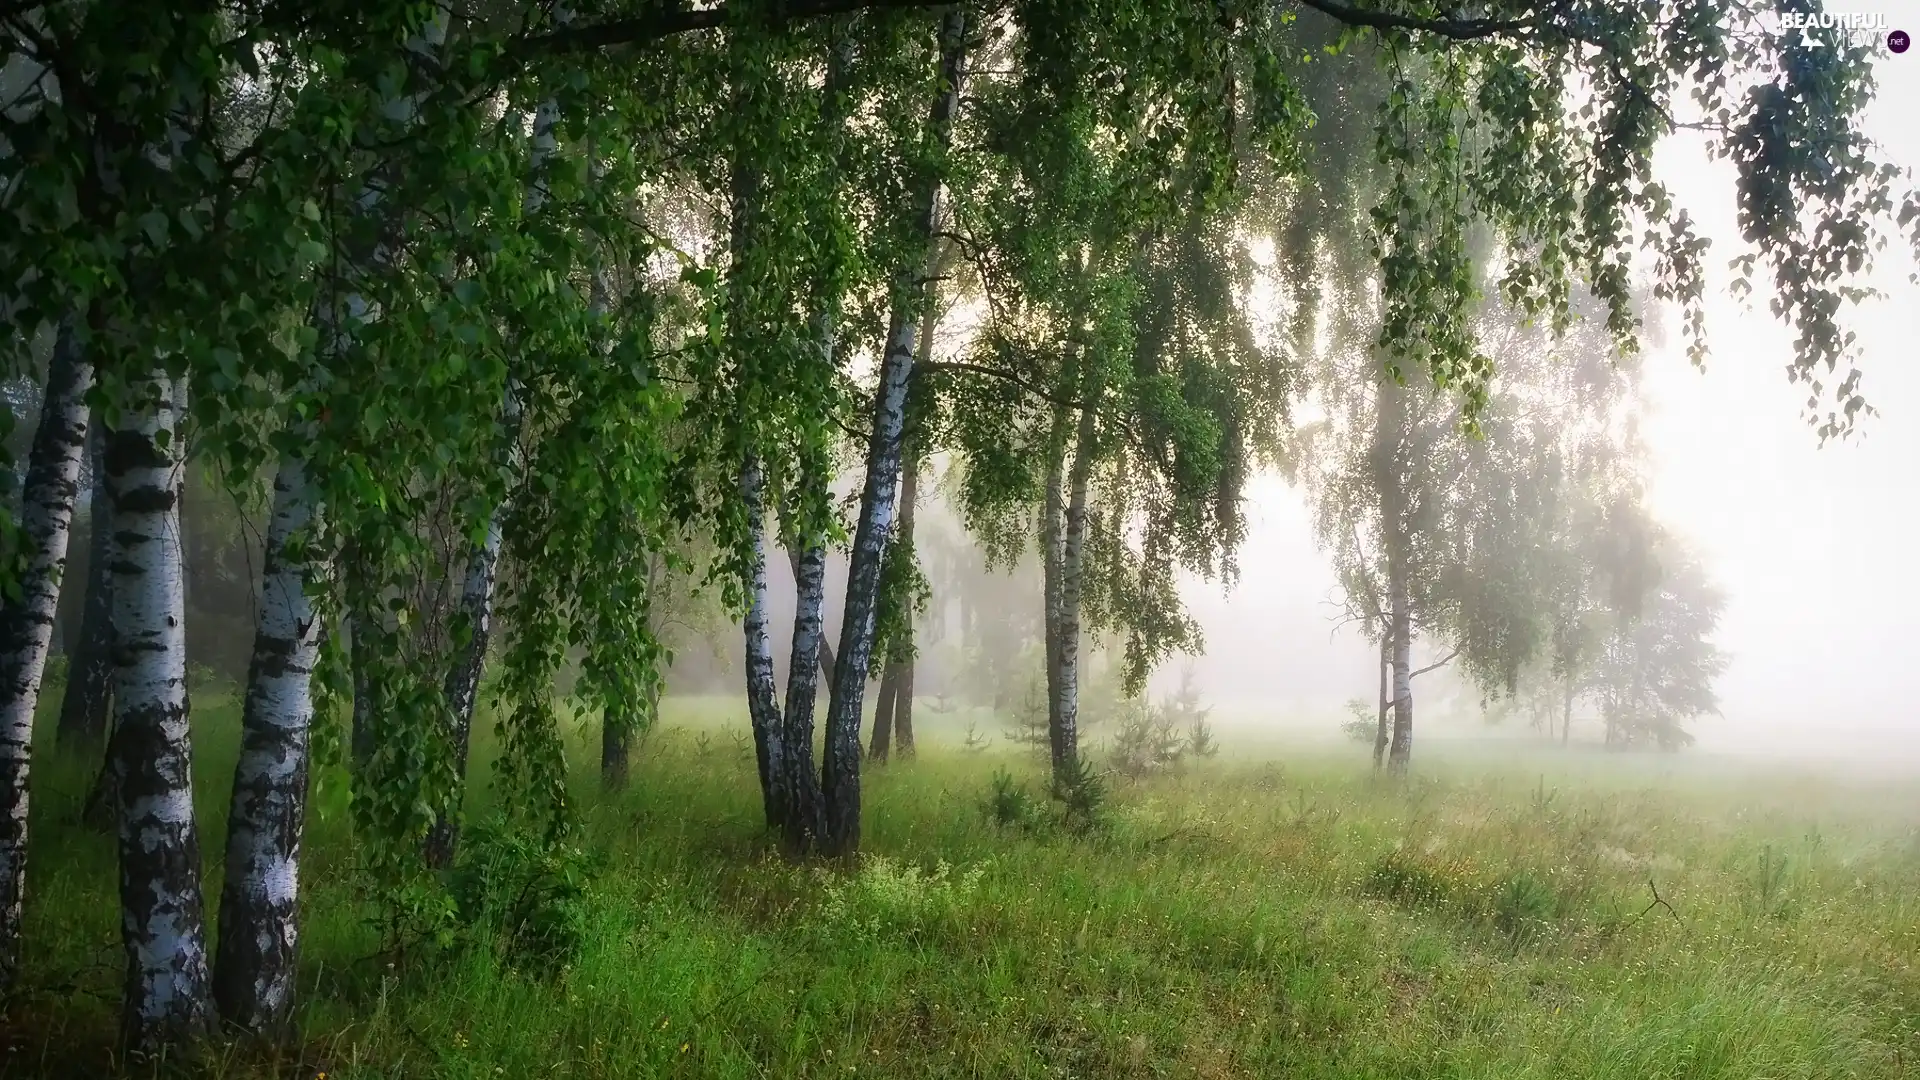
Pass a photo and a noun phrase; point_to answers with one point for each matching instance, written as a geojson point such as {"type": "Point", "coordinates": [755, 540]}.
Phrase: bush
{"type": "Point", "coordinates": [892, 899]}
{"type": "Point", "coordinates": [1156, 738]}
{"type": "Point", "coordinates": [1523, 905]}
{"type": "Point", "coordinates": [527, 899]}
{"type": "Point", "coordinates": [1009, 803]}
{"type": "Point", "coordinates": [1082, 793]}
{"type": "Point", "coordinates": [1400, 877]}
{"type": "Point", "coordinates": [1362, 724]}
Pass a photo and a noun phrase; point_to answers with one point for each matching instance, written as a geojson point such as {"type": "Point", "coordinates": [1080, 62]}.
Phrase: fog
{"type": "Point", "coordinates": [1813, 546]}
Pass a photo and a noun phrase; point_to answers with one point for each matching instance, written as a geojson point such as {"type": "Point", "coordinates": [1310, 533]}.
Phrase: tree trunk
{"type": "Point", "coordinates": [881, 744]}
{"type": "Point", "coordinates": [763, 703]}
{"type": "Point", "coordinates": [840, 787]}
{"type": "Point", "coordinates": [1566, 717]}
{"type": "Point", "coordinates": [1052, 531]}
{"type": "Point", "coordinates": [901, 669]}
{"type": "Point", "coordinates": [26, 625]}
{"type": "Point", "coordinates": [83, 710]}
{"type": "Point", "coordinates": [1072, 575]}
{"type": "Point", "coordinates": [1401, 751]}
{"type": "Point", "coordinates": [799, 784]}
{"type": "Point", "coordinates": [360, 647]}
{"type": "Point", "coordinates": [616, 742]}
{"type": "Point", "coordinates": [826, 649]}
{"type": "Point", "coordinates": [1381, 729]}
{"type": "Point", "coordinates": [483, 563]}
{"type": "Point", "coordinates": [463, 679]}
{"type": "Point", "coordinates": [162, 922]}
{"type": "Point", "coordinates": [1389, 483]}
{"type": "Point", "coordinates": [255, 966]}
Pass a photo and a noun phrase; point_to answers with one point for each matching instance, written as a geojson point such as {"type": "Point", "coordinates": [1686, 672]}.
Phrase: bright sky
{"type": "Point", "coordinates": [1815, 547]}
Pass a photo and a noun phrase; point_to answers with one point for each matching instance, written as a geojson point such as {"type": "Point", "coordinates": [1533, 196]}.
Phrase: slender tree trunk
{"type": "Point", "coordinates": [162, 921]}
{"type": "Point", "coordinates": [463, 679]}
{"type": "Point", "coordinates": [1072, 575]}
{"type": "Point", "coordinates": [1402, 636]}
{"type": "Point", "coordinates": [26, 625]}
{"type": "Point", "coordinates": [1053, 511]}
{"type": "Point", "coordinates": [255, 965]}
{"type": "Point", "coordinates": [483, 563]}
{"type": "Point", "coordinates": [1566, 717]}
{"type": "Point", "coordinates": [1389, 482]}
{"type": "Point", "coordinates": [896, 708]}
{"type": "Point", "coordinates": [800, 784]}
{"type": "Point", "coordinates": [360, 646]}
{"type": "Point", "coordinates": [840, 787]}
{"type": "Point", "coordinates": [763, 703]}
{"type": "Point", "coordinates": [903, 712]}
{"type": "Point", "coordinates": [89, 695]}
{"type": "Point", "coordinates": [881, 745]}
{"type": "Point", "coordinates": [616, 742]}
{"type": "Point", "coordinates": [1381, 729]}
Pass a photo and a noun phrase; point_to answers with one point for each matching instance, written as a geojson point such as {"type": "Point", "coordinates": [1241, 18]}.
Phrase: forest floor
{"type": "Point", "coordinates": [1245, 917]}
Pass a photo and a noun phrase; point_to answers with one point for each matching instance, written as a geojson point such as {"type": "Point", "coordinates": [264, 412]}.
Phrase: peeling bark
{"type": "Point", "coordinates": [163, 931]}
{"type": "Point", "coordinates": [800, 784]}
{"type": "Point", "coordinates": [840, 784]}
{"type": "Point", "coordinates": [255, 966]}
{"type": "Point", "coordinates": [826, 648]}
{"type": "Point", "coordinates": [1053, 510]}
{"type": "Point", "coordinates": [26, 624]}
{"type": "Point", "coordinates": [1066, 689]}
{"type": "Point", "coordinates": [763, 704]}
{"type": "Point", "coordinates": [89, 696]}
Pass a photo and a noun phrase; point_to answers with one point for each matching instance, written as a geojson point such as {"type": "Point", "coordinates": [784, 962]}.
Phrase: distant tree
{"type": "Point", "coordinates": [1655, 667]}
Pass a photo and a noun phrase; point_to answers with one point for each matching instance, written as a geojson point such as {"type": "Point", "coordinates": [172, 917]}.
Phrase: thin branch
{"type": "Point", "coordinates": [1440, 663]}
{"type": "Point", "coordinates": [998, 373]}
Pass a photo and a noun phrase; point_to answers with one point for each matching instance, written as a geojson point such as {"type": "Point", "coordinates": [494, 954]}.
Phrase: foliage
{"type": "Point", "coordinates": [1362, 724]}
{"type": "Point", "coordinates": [527, 900]}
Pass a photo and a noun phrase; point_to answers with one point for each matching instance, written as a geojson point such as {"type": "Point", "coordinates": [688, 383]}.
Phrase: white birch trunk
{"type": "Point", "coordinates": [763, 703]}
{"type": "Point", "coordinates": [477, 592]}
{"type": "Point", "coordinates": [840, 786]}
{"type": "Point", "coordinates": [162, 922]}
{"type": "Point", "coordinates": [255, 966]}
{"type": "Point", "coordinates": [800, 785]}
{"type": "Point", "coordinates": [26, 625]}
{"type": "Point", "coordinates": [1072, 578]}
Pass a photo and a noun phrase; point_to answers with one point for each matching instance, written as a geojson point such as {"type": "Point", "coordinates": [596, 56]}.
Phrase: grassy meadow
{"type": "Point", "coordinates": [1267, 915]}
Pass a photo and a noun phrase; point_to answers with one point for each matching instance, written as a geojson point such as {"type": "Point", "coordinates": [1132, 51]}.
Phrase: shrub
{"type": "Point", "coordinates": [1523, 905]}
{"type": "Point", "coordinates": [527, 899]}
{"type": "Point", "coordinates": [896, 899]}
{"type": "Point", "coordinates": [1404, 879]}
{"type": "Point", "coordinates": [1082, 793]}
{"type": "Point", "coordinates": [1009, 803]}
{"type": "Point", "coordinates": [1362, 725]}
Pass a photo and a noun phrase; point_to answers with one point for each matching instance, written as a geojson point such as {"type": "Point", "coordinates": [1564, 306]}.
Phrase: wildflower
{"type": "Point", "coordinates": [684, 1046]}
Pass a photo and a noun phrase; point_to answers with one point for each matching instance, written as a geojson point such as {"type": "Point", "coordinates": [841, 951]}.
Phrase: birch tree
{"type": "Point", "coordinates": [26, 619]}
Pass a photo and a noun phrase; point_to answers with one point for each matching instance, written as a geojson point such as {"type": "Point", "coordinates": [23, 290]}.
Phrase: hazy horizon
{"type": "Point", "coordinates": [1804, 540]}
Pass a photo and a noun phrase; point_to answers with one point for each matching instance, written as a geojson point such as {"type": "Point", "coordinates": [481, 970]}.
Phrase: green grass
{"type": "Point", "coordinates": [1288, 917]}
